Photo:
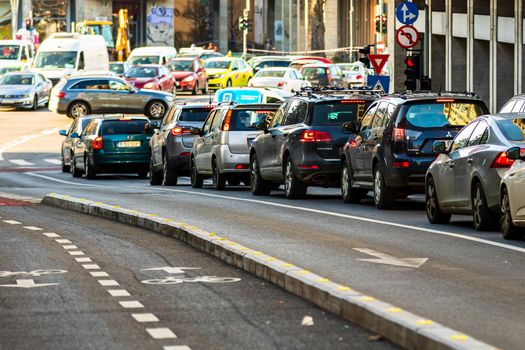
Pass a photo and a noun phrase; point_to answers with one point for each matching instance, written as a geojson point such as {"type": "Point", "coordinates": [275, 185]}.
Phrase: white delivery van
{"type": "Point", "coordinates": [16, 55]}
{"type": "Point", "coordinates": [151, 55]}
{"type": "Point", "coordinates": [65, 53]}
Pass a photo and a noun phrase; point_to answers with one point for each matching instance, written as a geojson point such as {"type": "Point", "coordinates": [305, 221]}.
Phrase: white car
{"type": "Point", "coordinates": [512, 197]}
{"type": "Point", "coordinates": [289, 79]}
{"type": "Point", "coordinates": [356, 73]}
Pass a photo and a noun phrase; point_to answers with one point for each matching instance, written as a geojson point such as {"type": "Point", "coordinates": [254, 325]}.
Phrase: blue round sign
{"type": "Point", "coordinates": [407, 12]}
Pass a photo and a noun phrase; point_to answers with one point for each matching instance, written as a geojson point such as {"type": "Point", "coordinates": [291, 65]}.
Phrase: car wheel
{"type": "Point", "coordinates": [78, 110]}
{"type": "Point", "coordinates": [349, 193]}
{"type": "Point", "coordinates": [170, 177]}
{"type": "Point", "coordinates": [76, 172]}
{"type": "Point", "coordinates": [196, 178]}
{"type": "Point", "coordinates": [205, 89]}
{"type": "Point", "coordinates": [383, 197]}
{"type": "Point", "coordinates": [483, 218]}
{"type": "Point", "coordinates": [155, 177]}
{"type": "Point", "coordinates": [434, 213]}
{"type": "Point", "coordinates": [156, 109]}
{"type": "Point", "coordinates": [89, 169]}
{"type": "Point", "coordinates": [195, 88]}
{"type": "Point", "coordinates": [219, 180]}
{"type": "Point", "coordinates": [258, 185]}
{"type": "Point", "coordinates": [34, 107]}
{"type": "Point", "coordinates": [229, 83]}
{"type": "Point", "coordinates": [508, 229]}
{"type": "Point", "coordinates": [293, 187]}
{"type": "Point", "coordinates": [65, 168]}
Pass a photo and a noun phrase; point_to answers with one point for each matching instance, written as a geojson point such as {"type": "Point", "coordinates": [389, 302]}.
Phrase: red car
{"type": "Point", "coordinates": [151, 76]}
{"type": "Point", "coordinates": [300, 61]}
{"type": "Point", "coordinates": [189, 74]}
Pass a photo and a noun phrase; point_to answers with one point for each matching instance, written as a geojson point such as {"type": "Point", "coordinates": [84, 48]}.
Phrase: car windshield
{"type": "Point", "coordinates": [142, 72]}
{"type": "Point", "coordinates": [313, 72]}
{"type": "Point", "coordinates": [438, 114]}
{"type": "Point", "coordinates": [22, 79]}
{"type": "Point", "coordinates": [270, 74]}
{"type": "Point", "coordinates": [56, 60]}
{"type": "Point", "coordinates": [116, 67]}
{"type": "Point", "coordinates": [181, 66]}
{"type": "Point", "coordinates": [217, 64]}
{"type": "Point", "coordinates": [9, 52]}
{"type": "Point", "coordinates": [513, 129]}
{"type": "Point", "coordinates": [349, 67]}
{"type": "Point", "coordinates": [123, 126]}
{"type": "Point", "coordinates": [137, 60]}
{"type": "Point", "coordinates": [194, 114]}
{"type": "Point", "coordinates": [337, 113]}
{"type": "Point", "coordinates": [244, 120]}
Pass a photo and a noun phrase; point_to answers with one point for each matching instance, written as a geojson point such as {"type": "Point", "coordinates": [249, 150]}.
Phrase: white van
{"type": "Point", "coordinates": [65, 53]}
{"type": "Point", "coordinates": [16, 55]}
{"type": "Point", "coordinates": [151, 55]}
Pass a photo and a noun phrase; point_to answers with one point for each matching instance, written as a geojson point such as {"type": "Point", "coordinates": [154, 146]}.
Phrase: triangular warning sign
{"type": "Point", "coordinates": [378, 62]}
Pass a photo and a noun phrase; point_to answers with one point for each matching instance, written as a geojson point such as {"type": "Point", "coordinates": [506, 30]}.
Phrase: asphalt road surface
{"type": "Point", "coordinates": [467, 280]}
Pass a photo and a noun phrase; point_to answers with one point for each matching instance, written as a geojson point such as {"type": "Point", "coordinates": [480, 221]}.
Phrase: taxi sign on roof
{"type": "Point", "coordinates": [239, 96]}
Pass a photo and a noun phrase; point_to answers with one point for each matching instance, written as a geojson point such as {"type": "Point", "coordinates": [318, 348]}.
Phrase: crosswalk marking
{"type": "Point", "coordinates": [20, 162]}
{"type": "Point", "coordinates": [53, 161]}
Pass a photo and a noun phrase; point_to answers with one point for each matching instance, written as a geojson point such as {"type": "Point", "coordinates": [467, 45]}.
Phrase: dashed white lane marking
{"type": "Point", "coordinates": [76, 253]}
{"type": "Point", "coordinates": [62, 241]}
{"type": "Point", "coordinates": [119, 293]}
{"type": "Point", "coordinates": [69, 247]}
{"type": "Point", "coordinates": [51, 235]}
{"type": "Point", "coordinates": [32, 228]}
{"type": "Point", "coordinates": [20, 162]}
{"type": "Point", "coordinates": [131, 304]}
{"type": "Point", "coordinates": [12, 222]}
{"type": "Point", "coordinates": [91, 266]}
{"type": "Point", "coordinates": [145, 317]}
{"type": "Point", "coordinates": [177, 347]}
{"type": "Point", "coordinates": [86, 259]}
{"type": "Point", "coordinates": [108, 283]}
{"type": "Point", "coordinates": [99, 274]}
{"type": "Point", "coordinates": [52, 161]}
{"type": "Point", "coordinates": [161, 333]}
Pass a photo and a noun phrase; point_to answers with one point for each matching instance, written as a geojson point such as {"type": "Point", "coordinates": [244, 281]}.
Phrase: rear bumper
{"type": "Point", "coordinates": [122, 163]}
{"type": "Point", "coordinates": [411, 178]}
{"type": "Point", "coordinates": [320, 172]}
{"type": "Point", "coordinates": [228, 160]}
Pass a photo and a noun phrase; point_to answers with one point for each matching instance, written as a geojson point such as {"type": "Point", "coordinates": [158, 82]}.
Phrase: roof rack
{"type": "Point", "coordinates": [419, 93]}
{"type": "Point", "coordinates": [328, 90]}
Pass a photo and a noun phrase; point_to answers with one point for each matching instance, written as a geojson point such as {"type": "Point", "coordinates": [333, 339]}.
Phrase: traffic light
{"type": "Point", "coordinates": [365, 51]}
{"type": "Point", "coordinates": [243, 23]}
{"type": "Point", "coordinates": [412, 71]}
{"type": "Point", "coordinates": [381, 24]}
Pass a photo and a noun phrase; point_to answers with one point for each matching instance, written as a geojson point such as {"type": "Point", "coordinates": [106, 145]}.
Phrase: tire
{"type": "Point", "coordinates": [349, 193]}
{"type": "Point", "coordinates": [205, 89]}
{"type": "Point", "coordinates": [219, 180]}
{"type": "Point", "coordinates": [258, 185]}
{"type": "Point", "coordinates": [234, 181]}
{"type": "Point", "coordinates": [483, 218]}
{"type": "Point", "coordinates": [383, 196]}
{"type": "Point", "coordinates": [65, 168]}
{"type": "Point", "coordinates": [434, 213]}
{"type": "Point", "coordinates": [195, 90]}
{"type": "Point", "coordinates": [293, 187]}
{"type": "Point", "coordinates": [196, 179]}
{"type": "Point", "coordinates": [156, 109]}
{"type": "Point", "coordinates": [170, 177]}
{"type": "Point", "coordinates": [75, 172]}
{"type": "Point", "coordinates": [508, 229]}
{"type": "Point", "coordinates": [155, 177]}
{"type": "Point", "coordinates": [78, 109]}
{"type": "Point", "coordinates": [89, 169]}
{"type": "Point", "coordinates": [229, 83]}
{"type": "Point", "coordinates": [34, 106]}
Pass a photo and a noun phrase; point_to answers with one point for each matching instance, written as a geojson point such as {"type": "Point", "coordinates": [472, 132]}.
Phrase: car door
{"type": "Point", "coordinates": [122, 98]}
{"type": "Point", "coordinates": [204, 142]}
{"type": "Point", "coordinates": [67, 143]}
{"type": "Point", "coordinates": [97, 93]}
{"type": "Point", "coordinates": [45, 89]}
{"type": "Point", "coordinates": [158, 139]}
{"type": "Point", "coordinates": [81, 145]}
{"type": "Point", "coordinates": [373, 140]}
{"type": "Point", "coordinates": [358, 150]}
{"type": "Point", "coordinates": [266, 144]}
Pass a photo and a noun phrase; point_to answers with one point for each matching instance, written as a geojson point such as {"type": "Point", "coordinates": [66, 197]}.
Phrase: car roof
{"type": "Point", "coordinates": [503, 116]}
{"type": "Point", "coordinates": [266, 69]}
{"type": "Point", "coordinates": [184, 58]}
{"type": "Point", "coordinates": [121, 116]}
{"type": "Point", "coordinates": [20, 73]}
{"type": "Point", "coordinates": [315, 65]}
{"type": "Point", "coordinates": [427, 96]}
{"type": "Point", "coordinates": [197, 105]}
{"type": "Point", "coordinates": [147, 65]}
{"type": "Point", "coordinates": [250, 106]}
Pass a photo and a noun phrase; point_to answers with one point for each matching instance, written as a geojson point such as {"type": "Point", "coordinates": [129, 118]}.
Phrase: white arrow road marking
{"type": "Point", "coordinates": [27, 284]}
{"type": "Point", "coordinates": [391, 260]}
{"type": "Point", "coordinates": [170, 269]}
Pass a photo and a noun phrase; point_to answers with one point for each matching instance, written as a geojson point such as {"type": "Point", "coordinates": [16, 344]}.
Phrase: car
{"type": "Point", "coordinates": [301, 145]}
{"type": "Point", "coordinates": [151, 55]}
{"type": "Point", "coordinates": [76, 128]}
{"type": "Point", "coordinates": [112, 144]}
{"type": "Point", "coordinates": [247, 95]}
{"type": "Point", "coordinates": [223, 149]}
{"type": "Point", "coordinates": [16, 55]}
{"type": "Point", "coordinates": [172, 142]}
{"type": "Point", "coordinates": [300, 61]}
{"type": "Point", "coordinates": [323, 74]}
{"type": "Point", "coordinates": [512, 194]}
{"type": "Point", "coordinates": [261, 62]}
{"type": "Point", "coordinates": [189, 75]}
{"type": "Point", "coordinates": [91, 73]}
{"type": "Point", "coordinates": [465, 177]}
{"type": "Point", "coordinates": [201, 54]}
{"type": "Point", "coordinates": [226, 72]}
{"type": "Point", "coordinates": [393, 146]}
{"type": "Point", "coordinates": [77, 97]}
{"type": "Point", "coordinates": [119, 68]}
{"type": "Point", "coordinates": [288, 79]}
{"type": "Point", "coordinates": [151, 76]}
{"type": "Point", "coordinates": [24, 89]}
{"type": "Point", "coordinates": [356, 73]}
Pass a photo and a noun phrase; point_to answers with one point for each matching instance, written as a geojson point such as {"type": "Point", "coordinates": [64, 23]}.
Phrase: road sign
{"type": "Point", "coordinates": [379, 82]}
{"type": "Point", "coordinates": [407, 12]}
{"type": "Point", "coordinates": [407, 37]}
{"type": "Point", "coordinates": [378, 62]}
{"type": "Point", "coordinates": [386, 259]}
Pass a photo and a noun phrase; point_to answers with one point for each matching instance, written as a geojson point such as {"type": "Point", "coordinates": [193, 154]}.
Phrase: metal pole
{"type": "Point", "coordinates": [298, 22]}
{"type": "Point", "coordinates": [448, 45]}
{"type": "Point", "coordinates": [289, 25]}
{"type": "Point", "coordinates": [518, 47]}
{"type": "Point", "coordinates": [428, 34]}
{"type": "Point", "coordinates": [493, 81]}
{"type": "Point", "coordinates": [470, 45]}
{"type": "Point", "coordinates": [246, 14]}
{"type": "Point", "coordinates": [306, 11]}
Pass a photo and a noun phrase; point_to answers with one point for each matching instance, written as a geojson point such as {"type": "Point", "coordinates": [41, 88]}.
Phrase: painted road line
{"type": "Point", "coordinates": [176, 347]}
{"type": "Point", "coordinates": [131, 304]}
{"type": "Point", "coordinates": [24, 139]}
{"type": "Point", "coordinates": [54, 161]}
{"type": "Point", "coordinates": [145, 317]}
{"type": "Point", "coordinates": [61, 181]}
{"type": "Point", "coordinates": [119, 293]}
{"type": "Point", "coordinates": [21, 162]}
{"type": "Point", "coordinates": [32, 228]}
{"type": "Point", "coordinates": [91, 266]}
{"type": "Point", "coordinates": [78, 252]}
{"type": "Point", "coordinates": [69, 247]}
{"type": "Point", "coordinates": [63, 241]}
{"type": "Point", "coordinates": [99, 274]}
{"type": "Point", "coordinates": [108, 283]}
{"type": "Point", "coordinates": [161, 333]}
{"type": "Point", "coordinates": [50, 234]}
{"type": "Point", "coordinates": [12, 222]}
{"type": "Point", "coordinates": [85, 259]}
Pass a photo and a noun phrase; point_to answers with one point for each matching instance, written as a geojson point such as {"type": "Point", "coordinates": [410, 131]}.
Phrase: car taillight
{"type": "Point", "coordinates": [328, 76]}
{"type": "Point", "coordinates": [281, 84]}
{"type": "Point", "coordinates": [398, 135]}
{"type": "Point", "coordinates": [226, 122]}
{"type": "Point", "coordinates": [315, 136]}
{"type": "Point", "coordinates": [400, 164]}
{"type": "Point", "coordinates": [98, 143]}
{"type": "Point", "coordinates": [177, 131]}
{"type": "Point", "coordinates": [359, 77]}
{"type": "Point", "coordinates": [242, 166]}
{"type": "Point", "coordinates": [61, 94]}
{"type": "Point", "coordinates": [502, 161]}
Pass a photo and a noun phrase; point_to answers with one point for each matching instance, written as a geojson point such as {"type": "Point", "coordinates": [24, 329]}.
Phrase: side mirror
{"type": "Point", "coordinates": [439, 147]}
{"type": "Point", "coordinates": [74, 135]}
{"type": "Point", "coordinates": [514, 153]}
{"type": "Point", "coordinates": [262, 126]}
{"type": "Point", "coordinates": [349, 128]}
{"type": "Point", "coordinates": [151, 126]}
{"type": "Point", "coordinates": [195, 131]}
{"type": "Point", "coordinates": [63, 132]}
{"type": "Point", "coordinates": [234, 68]}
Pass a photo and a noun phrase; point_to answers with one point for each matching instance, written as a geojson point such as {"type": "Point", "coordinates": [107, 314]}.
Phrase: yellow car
{"type": "Point", "coordinates": [226, 72]}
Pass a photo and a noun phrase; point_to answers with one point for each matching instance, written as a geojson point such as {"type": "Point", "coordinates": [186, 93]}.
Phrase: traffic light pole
{"type": "Point", "coordinates": [246, 14]}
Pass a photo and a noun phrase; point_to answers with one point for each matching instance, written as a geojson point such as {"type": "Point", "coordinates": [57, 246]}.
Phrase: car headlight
{"type": "Point", "coordinates": [149, 86]}
{"type": "Point", "coordinates": [190, 78]}
{"type": "Point", "coordinates": [219, 76]}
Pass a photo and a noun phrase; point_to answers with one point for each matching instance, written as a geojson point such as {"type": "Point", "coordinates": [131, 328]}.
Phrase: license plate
{"type": "Point", "coordinates": [8, 101]}
{"type": "Point", "coordinates": [128, 144]}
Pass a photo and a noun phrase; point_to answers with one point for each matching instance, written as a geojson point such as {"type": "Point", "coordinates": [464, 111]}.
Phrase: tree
{"type": "Point", "coordinates": [318, 29]}
{"type": "Point", "coordinates": [199, 14]}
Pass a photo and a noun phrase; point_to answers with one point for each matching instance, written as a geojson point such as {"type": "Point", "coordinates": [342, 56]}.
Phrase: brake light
{"type": "Point", "coordinates": [315, 136]}
{"type": "Point", "coordinates": [210, 106]}
{"type": "Point", "coordinates": [359, 77]}
{"type": "Point", "coordinates": [226, 122]}
{"type": "Point", "coordinates": [98, 143]}
{"type": "Point", "coordinates": [242, 166]}
{"type": "Point", "coordinates": [502, 161]}
{"type": "Point", "coordinates": [401, 164]}
{"type": "Point", "coordinates": [352, 101]}
{"type": "Point", "coordinates": [61, 94]}
{"type": "Point", "coordinates": [281, 84]}
{"type": "Point", "coordinates": [328, 75]}
{"type": "Point", "coordinates": [185, 154]}
{"type": "Point", "coordinates": [302, 166]}
{"type": "Point", "coordinates": [398, 135]}
{"type": "Point", "coordinates": [444, 100]}
{"type": "Point", "coordinates": [177, 131]}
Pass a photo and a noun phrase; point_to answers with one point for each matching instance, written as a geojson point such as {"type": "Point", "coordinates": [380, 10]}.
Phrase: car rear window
{"type": "Point", "coordinates": [194, 114]}
{"type": "Point", "coordinates": [245, 120]}
{"type": "Point", "coordinates": [438, 114]}
{"type": "Point", "coordinates": [313, 72]}
{"type": "Point", "coordinates": [339, 112]}
{"type": "Point", "coordinates": [513, 129]}
{"type": "Point", "coordinates": [119, 127]}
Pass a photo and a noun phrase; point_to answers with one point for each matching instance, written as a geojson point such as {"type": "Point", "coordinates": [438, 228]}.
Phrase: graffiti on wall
{"type": "Point", "coordinates": [5, 20]}
{"type": "Point", "coordinates": [160, 26]}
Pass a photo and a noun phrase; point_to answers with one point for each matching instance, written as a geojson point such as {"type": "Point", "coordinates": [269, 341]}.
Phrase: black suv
{"type": "Point", "coordinates": [393, 147]}
{"type": "Point", "coordinates": [302, 144]}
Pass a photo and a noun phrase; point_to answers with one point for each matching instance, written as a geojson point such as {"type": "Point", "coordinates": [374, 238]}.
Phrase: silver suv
{"type": "Point", "coordinates": [223, 150]}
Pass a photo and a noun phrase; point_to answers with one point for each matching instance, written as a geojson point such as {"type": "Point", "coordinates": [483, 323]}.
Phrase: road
{"type": "Point", "coordinates": [472, 282]}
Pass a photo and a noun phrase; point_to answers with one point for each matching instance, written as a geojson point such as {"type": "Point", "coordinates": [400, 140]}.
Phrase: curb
{"type": "Point", "coordinates": [399, 326]}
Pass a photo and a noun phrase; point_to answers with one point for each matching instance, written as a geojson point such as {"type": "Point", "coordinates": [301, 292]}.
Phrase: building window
{"type": "Point", "coordinates": [50, 16]}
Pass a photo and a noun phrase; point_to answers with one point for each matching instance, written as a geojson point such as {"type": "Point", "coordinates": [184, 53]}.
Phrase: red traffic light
{"type": "Point", "coordinates": [410, 63]}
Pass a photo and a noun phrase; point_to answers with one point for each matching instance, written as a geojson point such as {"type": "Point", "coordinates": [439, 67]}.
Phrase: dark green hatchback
{"type": "Point", "coordinates": [113, 144]}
